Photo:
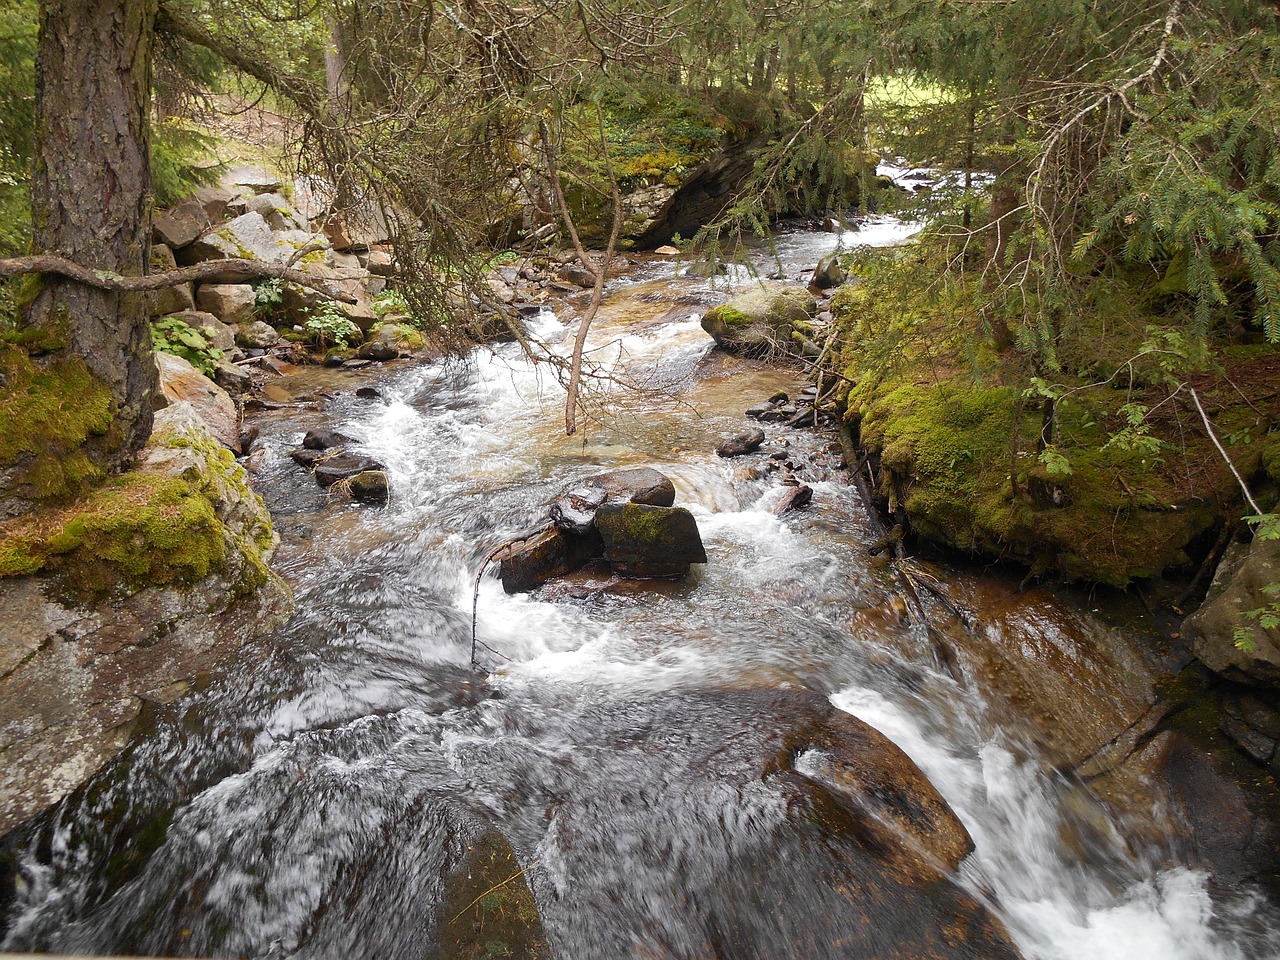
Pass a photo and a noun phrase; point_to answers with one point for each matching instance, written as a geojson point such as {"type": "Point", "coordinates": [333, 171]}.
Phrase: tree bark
{"type": "Point", "coordinates": [90, 200]}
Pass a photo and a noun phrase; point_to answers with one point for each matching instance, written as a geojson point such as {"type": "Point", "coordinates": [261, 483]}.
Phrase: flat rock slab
{"type": "Point", "coordinates": [638, 485]}
{"type": "Point", "coordinates": [341, 467]}
{"type": "Point", "coordinates": [647, 541]}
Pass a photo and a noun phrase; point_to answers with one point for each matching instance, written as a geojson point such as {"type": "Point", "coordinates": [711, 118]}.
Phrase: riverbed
{"type": "Point", "coordinates": [314, 800]}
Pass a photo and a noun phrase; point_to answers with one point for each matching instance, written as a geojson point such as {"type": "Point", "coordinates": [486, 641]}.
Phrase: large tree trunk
{"type": "Point", "coordinates": [90, 200]}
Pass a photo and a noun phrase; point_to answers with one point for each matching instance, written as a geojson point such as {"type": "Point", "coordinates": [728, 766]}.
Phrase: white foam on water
{"type": "Point", "coordinates": [1055, 907]}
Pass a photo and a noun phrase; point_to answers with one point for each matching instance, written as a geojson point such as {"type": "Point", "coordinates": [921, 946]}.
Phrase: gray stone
{"type": "Point", "coordinates": [742, 444]}
{"type": "Point", "coordinates": [257, 335]}
{"type": "Point", "coordinates": [649, 542]}
{"type": "Point", "coordinates": [277, 211]}
{"type": "Point", "coordinates": [215, 202]}
{"type": "Point", "coordinates": [232, 303]}
{"type": "Point", "coordinates": [179, 227]}
{"type": "Point", "coordinates": [636, 485]}
{"type": "Point", "coordinates": [576, 275]}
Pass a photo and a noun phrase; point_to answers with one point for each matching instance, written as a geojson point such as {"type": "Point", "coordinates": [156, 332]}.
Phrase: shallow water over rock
{"type": "Point", "coordinates": [652, 753]}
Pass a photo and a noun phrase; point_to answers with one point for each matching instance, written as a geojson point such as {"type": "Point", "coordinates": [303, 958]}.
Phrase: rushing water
{"type": "Point", "coordinates": [312, 801]}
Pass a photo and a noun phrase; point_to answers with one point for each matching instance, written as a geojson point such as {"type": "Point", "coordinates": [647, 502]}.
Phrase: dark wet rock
{"type": "Point", "coordinates": [796, 498]}
{"type": "Point", "coordinates": [740, 445]}
{"type": "Point", "coordinates": [306, 458]}
{"type": "Point", "coordinates": [358, 364]}
{"type": "Point", "coordinates": [378, 350]}
{"type": "Point", "coordinates": [370, 486]}
{"type": "Point", "coordinates": [857, 864]}
{"type": "Point", "coordinates": [342, 467]}
{"type": "Point", "coordinates": [576, 275]}
{"type": "Point", "coordinates": [828, 273]}
{"type": "Point", "coordinates": [647, 541]}
{"type": "Point", "coordinates": [636, 485]}
{"type": "Point", "coordinates": [337, 356]}
{"type": "Point", "coordinates": [548, 553]}
{"type": "Point", "coordinates": [575, 510]}
{"type": "Point", "coordinates": [368, 393]}
{"type": "Point", "coordinates": [322, 438]}
{"type": "Point", "coordinates": [248, 437]}
{"type": "Point", "coordinates": [1238, 587]}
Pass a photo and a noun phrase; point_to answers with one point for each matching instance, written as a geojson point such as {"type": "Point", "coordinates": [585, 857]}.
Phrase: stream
{"type": "Point", "coordinates": [312, 801]}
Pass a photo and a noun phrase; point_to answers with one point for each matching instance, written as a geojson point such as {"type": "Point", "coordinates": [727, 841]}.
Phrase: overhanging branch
{"type": "Point", "coordinates": [230, 270]}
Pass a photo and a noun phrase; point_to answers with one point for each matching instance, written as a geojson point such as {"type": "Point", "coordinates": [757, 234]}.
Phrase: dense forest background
{"type": "Point", "coordinates": [1108, 238]}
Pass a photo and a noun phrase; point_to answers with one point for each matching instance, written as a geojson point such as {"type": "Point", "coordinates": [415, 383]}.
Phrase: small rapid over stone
{"type": "Point", "coordinates": [647, 749]}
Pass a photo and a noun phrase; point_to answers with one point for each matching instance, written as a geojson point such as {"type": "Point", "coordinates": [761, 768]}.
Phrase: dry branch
{"type": "Point", "coordinates": [221, 269]}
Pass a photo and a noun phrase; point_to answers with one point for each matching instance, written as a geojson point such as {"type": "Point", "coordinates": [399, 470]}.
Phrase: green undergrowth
{"type": "Point", "coordinates": [1098, 471]}
{"type": "Point", "coordinates": [140, 529]}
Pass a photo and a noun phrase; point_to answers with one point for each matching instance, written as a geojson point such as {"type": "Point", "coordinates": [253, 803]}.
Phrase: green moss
{"type": "Point", "coordinates": [730, 316]}
{"type": "Point", "coordinates": [47, 415]}
{"type": "Point", "coordinates": [142, 529]}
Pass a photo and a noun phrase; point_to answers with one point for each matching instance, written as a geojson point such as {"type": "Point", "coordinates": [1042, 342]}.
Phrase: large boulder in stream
{"type": "Point", "coordinates": [766, 321]}
{"type": "Point", "coordinates": [762, 824]}
{"type": "Point", "coordinates": [649, 542]}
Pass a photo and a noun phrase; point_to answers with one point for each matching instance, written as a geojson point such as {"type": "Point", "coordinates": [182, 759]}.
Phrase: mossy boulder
{"type": "Point", "coordinates": [124, 596]}
{"type": "Point", "coordinates": [649, 542]}
{"type": "Point", "coordinates": [763, 322]}
{"type": "Point", "coordinates": [948, 451]}
{"type": "Point", "coordinates": [1248, 579]}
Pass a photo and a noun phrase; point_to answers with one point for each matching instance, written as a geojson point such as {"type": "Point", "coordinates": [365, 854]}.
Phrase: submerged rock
{"type": "Point", "coordinates": [648, 541]}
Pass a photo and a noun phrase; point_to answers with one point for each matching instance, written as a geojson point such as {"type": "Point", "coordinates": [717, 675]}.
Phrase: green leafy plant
{"type": "Point", "coordinates": [390, 303]}
{"type": "Point", "coordinates": [330, 327]}
{"type": "Point", "coordinates": [267, 297]}
{"type": "Point", "coordinates": [176, 336]}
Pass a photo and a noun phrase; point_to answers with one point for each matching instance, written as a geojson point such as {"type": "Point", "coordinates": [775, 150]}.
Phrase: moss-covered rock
{"type": "Point", "coordinates": [1071, 476]}
{"type": "Point", "coordinates": [124, 596]}
{"type": "Point", "coordinates": [764, 321]}
{"type": "Point", "coordinates": [648, 541]}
